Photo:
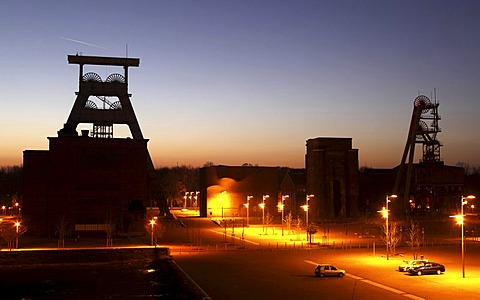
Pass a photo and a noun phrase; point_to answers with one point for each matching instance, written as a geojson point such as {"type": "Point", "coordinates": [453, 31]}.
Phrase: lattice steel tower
{"type": "Point", "coordinates": [423, 130]}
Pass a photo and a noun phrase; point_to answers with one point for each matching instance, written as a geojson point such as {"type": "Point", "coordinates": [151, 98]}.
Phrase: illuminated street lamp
{"type": "Point", "coordinates": [152, 223]}
{"type": "Point", "coordinates": [385, 213]}
{"type": "Point", "coordinates": [17, 225]}
{"type": "Point", "coordinates": [17, 208]}
{"type": "Point", "coordinates": [196, 199]}
{"type": "Point", "coordinates": [281, 206]}
{"type": "Point", "coordinates": [247, 206]}
{"type": "Point", "coordinates": [460, 220]}
{"type": "Point", "coordinates": [262, 206]}
{"type": "Point", "coordinates": [4, 212]}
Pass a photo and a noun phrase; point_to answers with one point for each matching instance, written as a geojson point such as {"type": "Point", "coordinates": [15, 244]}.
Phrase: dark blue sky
{"type": "Point", "coordinates": [249, 81]}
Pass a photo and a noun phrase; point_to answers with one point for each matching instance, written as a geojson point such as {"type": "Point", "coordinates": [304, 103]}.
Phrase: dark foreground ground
{"type": "Point", "coordinates": [92, 274]}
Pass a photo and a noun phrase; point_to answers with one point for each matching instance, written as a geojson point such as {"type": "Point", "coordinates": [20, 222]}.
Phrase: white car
{"type": "Point", "coordinates": [411, 264]}
{"type": "Point", "coordinates": [323, 270]}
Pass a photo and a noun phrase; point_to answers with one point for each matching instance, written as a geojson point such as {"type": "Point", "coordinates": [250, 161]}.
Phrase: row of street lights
{"type": "Point", "coordinates": [281, 207]}
{"type": "Point", "coordinates": [15, 209]}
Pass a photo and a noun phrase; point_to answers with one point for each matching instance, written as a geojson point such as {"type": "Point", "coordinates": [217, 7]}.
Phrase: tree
{"type": "Point", "coordinates": [392, 238]}
{"type": "Point", "coordinates": [416, 237]}
{"type": "Point", "coordinates": [395, 237]}
{"type": "Point", "coordinates": [289, 221]}
{"type": "Point", "coordinates": [299, 224]}
{"type": "Point", "coordinates": [174, 182]}
{"type": "Point", "coordinates": [311, 229]}
{"type": "Point", "coordinates": [61, 231]}
{"type": "Point", "coordinates": [109, 229]}
{"type": "Point", "coordinates": [209, 164]}
{"type": "Point", "coordinates": [268, 220]}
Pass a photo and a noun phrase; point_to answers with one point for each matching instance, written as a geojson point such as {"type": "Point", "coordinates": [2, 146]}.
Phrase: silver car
{"type": "Point", "coordinates": [323, 270]}
{"type": "Point", "coordinates": [408, 264]}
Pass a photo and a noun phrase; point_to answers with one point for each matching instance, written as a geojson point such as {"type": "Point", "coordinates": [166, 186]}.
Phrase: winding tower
{"type": "Point", "coordinates": [423, 130]}
{"type": "Point", "coordinates": [105, 104]}
{"type": "Point", "coordinates": [93, 90]}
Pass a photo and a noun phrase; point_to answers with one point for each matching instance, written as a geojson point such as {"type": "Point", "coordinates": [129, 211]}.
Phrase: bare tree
{"type": "Point", "coordinates": [311, 229]}
{"type": "Point", "coordinates": [289, 221]}
{"type": "Point", "coordinates": [299, 224]}
{"type": "Point", "coordinates": [9, 235]}
{"type": "Point", "coordinates": [416, 237]}
{"type": "Point", "coordinates": [392, 238]}
{"type": "Point", "coordinates": [395, 237]}
{"type": "Point", "coordinates": [268, 220]}
{"type": "Point", "coordinates": [109, 229]}
{"type": "Point", "coordinates": [61, 231]}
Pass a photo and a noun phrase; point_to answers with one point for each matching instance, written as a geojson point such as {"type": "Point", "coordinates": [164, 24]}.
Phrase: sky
{"type": "Point", "coordinates": [249, 81]}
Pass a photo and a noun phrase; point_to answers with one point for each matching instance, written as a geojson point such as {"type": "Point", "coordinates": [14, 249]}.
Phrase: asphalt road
{"type": "Point", "coordinates": [264, 273]}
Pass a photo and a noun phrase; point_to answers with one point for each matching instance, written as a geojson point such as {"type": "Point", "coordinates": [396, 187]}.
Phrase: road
{"type": "Point", "coordinates": [263, 273]}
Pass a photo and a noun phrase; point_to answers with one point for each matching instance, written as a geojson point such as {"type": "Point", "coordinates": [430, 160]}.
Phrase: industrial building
{"type": "Point", "coordinates": [91, 181]}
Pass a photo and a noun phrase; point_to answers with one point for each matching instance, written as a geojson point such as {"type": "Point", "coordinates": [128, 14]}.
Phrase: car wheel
{"type": "Point", "coordinates": [321, 275]}
{"type": "Point", "coordinates": [419, 273]}
{"type": "Point", "coordinates": [439, 272]}
{"type": "Point", "coordinates": [341, 275]}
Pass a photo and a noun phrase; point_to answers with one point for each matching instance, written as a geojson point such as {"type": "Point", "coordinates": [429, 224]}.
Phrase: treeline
{"type": "Point", "coordinates": [11, 184]}
{"type": "Point", "coordinates": [173, 181]}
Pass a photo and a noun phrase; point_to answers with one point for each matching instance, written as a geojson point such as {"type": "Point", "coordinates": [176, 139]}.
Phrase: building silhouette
{"type": "Point", "coordinates": [91, 181]}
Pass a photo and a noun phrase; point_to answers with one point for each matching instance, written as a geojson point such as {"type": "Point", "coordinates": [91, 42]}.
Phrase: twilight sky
{"type": "Point", "coordinates": [244, 81]}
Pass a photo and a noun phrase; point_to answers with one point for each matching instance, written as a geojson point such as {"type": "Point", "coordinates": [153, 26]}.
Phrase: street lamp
{"type": "Point", "coordinates": [281, 206]}
{"type": "Point", "coordinates": [247, 206]}
{"type": "Point", "coordinates": [385, 213]}
{"type": "Point", "coordinates": [262, 206]}
{"type": "Point", "coordinates": [152, 223]}
{"type": "Point", "coordinates": [196, 199]}
{"type": "Point", "coordinates": [4, 213]}
{"type": "Point", "coordinates": [460, 220]}
{"type": "Point", "coordinates": [185, 200]}
{"type": "Point", "coordinates": [17, 224]}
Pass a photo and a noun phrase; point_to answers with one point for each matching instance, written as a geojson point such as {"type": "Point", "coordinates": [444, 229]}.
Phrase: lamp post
{"type": "Point", "coordinates": [306, 208]}
{"type": "Point", "coordinates": [4, 212]}
{"type": "Point", "coordinates": [262, 206]}
{"type": "Point", "coordinates": [196, 199]}
{"type": "Point", "coordinates": [281, 206]}
{"type": "Point", "coordinates": [17, 224]}
{"type": "Point", "coordinates": [464, 201]}
{"type": "Point", "coordinates": [152, 223]}
{"type": "Point", "coordinates": [384, 213]}
{"type": "Point", "coordinates": [247, 205]}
